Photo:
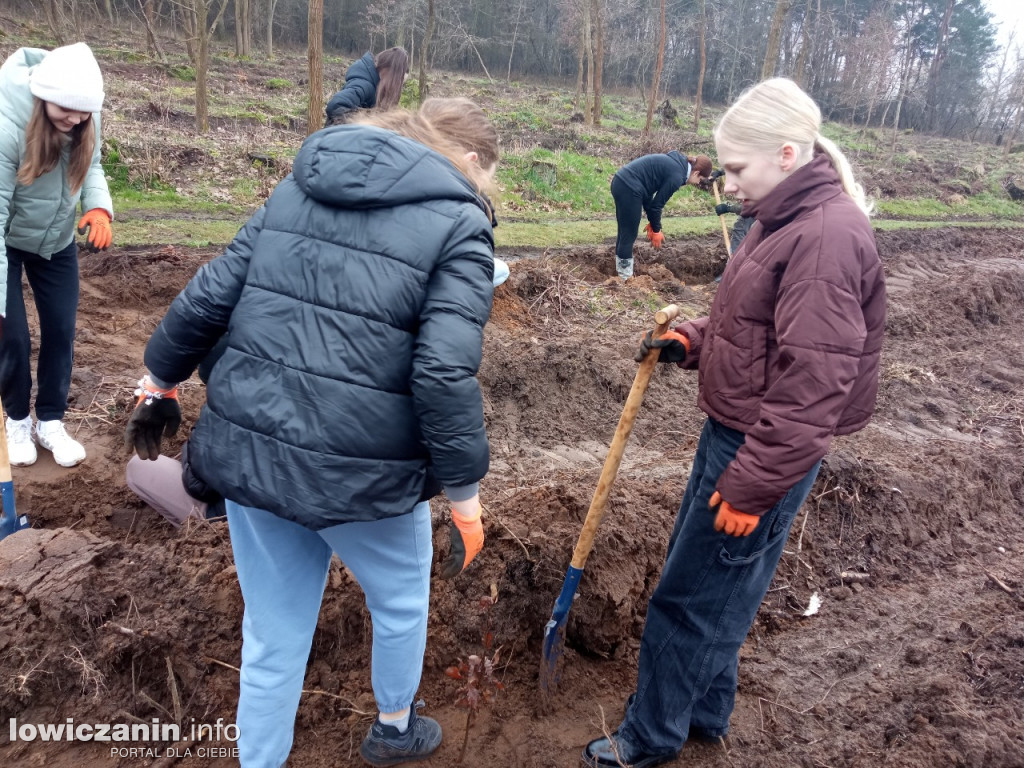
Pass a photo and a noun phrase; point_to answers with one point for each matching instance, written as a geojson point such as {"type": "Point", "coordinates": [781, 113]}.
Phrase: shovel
{"type": "Point", "coordinates": [718, 201]}
{"type": "Point", "coordinates": [554, 630]}
{"type": "Point", "coordinates": [9, 520]}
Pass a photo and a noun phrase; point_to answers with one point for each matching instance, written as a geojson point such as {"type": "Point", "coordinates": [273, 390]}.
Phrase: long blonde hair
{"type": "Point", "coordinates": [44, 143]}
{"type": "Point", "coordinates": [451, 127]}
{"type": "Point", "coordinates": [777, 111]}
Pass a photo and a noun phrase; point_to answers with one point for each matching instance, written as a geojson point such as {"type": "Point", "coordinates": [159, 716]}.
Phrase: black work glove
{"type": "Point", "coordinates": [152, 418]}
{"type": "Point", "coordinates": [723, 208]}
{"type": "Point", "coordinates": [674, 347]}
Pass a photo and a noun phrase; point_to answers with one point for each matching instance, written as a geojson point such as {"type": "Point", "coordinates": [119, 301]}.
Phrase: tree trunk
{"type": "Point", "coordinates": [588, 36]}
{"type": "Point", "coordinates": [271, 7]}
{"type": "Point", "coordinates": [580, 58]}
{"type": "Point", "coordinates": [55, 20]}
{"type": "Point", "coordinates": [805, 44]}
{"type": "Point", "coordinates": [771, 55]}
{"type": "Point", "coordinates": [698, 99]}
{"type": "Point", "coordinates": [515, 35]}
{"type": "Point", "coordinates": [424, 48]}
{"type": "Point", "coordinates": [935, 70]}
{"type": "Point", "coordinates": [243, 34]}
{"type": "Point", "coordinates": [202, 64]}
{"type": "Point", "coordinates": [659, 65]}
{"type": "Point", "coordinates": [315, 57]}
{"type": "Point", "coordinates": [599, 63]}
{"type": "Point", "coordinates": [151, 38]}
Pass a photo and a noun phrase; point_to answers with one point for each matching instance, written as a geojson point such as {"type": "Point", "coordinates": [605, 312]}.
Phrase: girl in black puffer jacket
{"type": "Point", "coordinates": [354, 303]}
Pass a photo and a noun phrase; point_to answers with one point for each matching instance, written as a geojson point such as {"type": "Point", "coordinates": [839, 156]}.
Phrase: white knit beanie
{"type": "Point", "coordinates": [70, 78]}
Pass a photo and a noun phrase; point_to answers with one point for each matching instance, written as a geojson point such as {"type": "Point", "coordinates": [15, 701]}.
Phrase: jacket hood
{"type": "Point", "coordinates": [806, 189]}
{"type": "Point", "coordinates": [14, 81]}
{"type": "Point", "coordinates": [362, 166]}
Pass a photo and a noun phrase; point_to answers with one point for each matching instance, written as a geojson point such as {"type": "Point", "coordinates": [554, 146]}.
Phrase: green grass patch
{"type": "Point", "coordinates": [279, 83]}
{"type": "Point", "coordinates": [171, 231]}
{"type": "Point", "coordinates": [129, 183]}
{"type": "Point", "coordinates": [541, 234]}
{"type": "Point", "coordinates": [183, 72]}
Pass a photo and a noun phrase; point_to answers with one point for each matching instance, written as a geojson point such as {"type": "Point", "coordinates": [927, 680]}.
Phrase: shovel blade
{"type": "Point", "coordinates": [10, 521]}
{"type": "Point", "coordinates": [554, 632]}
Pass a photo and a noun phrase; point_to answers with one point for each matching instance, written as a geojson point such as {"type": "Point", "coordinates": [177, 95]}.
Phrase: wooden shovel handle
{"type": "Point", "coordinates": [721, 219]}
{"type": "Point", "coordinates": [663, 318]}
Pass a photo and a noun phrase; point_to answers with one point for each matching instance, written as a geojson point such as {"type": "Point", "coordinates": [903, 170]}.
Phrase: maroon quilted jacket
{"type": "Point", "coordinates": [789, 354]}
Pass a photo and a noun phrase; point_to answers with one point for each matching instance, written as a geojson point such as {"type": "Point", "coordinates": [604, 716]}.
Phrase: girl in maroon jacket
{"type": "Point", "coordinates": [787, 359]}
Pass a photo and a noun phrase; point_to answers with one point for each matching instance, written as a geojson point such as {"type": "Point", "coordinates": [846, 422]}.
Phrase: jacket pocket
{"type": "Point", "coordinates": [774, 525]}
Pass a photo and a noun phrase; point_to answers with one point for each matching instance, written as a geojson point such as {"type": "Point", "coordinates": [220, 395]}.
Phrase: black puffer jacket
{"type": "Point", "coordinates": [655, 178]}
{"type": "Point", "coordinates": [359, 91]}
{"type": "Point", "coordinates": [355, 302]}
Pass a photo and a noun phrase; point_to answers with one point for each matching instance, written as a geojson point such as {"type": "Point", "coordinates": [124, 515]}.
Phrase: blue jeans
{"type": "Point", "coordinates": [282, 570]}
{"type": "Point", "coordinates": [54, 283]}
{"type": "Point", "coordinates": [703, 607]}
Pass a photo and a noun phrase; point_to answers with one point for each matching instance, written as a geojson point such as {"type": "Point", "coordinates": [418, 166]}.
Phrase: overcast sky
{"type": "Point", "coordinates": [1007, 14]}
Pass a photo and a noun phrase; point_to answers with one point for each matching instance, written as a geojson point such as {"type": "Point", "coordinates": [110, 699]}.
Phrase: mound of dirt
{"type": "Point", "coordinates": [915, 657]}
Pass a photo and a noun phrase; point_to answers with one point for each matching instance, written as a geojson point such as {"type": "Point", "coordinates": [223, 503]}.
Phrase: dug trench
{"type": "Point", "coordinates": [911, 539]}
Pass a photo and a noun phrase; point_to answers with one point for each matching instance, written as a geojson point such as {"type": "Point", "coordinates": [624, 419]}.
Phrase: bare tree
{"type": "Point", "coordinates": [151, 37]}
{"type": "Point", "coordinates": [194, 15]}
{"type": "Point", "coordinates": [515, 36]}
{"type": "Point", "coordinates": [659, 65]}
{"type": "Point", "coordinates": [428, 35]}
{"type": "Point", "coordinates": [698, 99]}
{"type": "Point", "coordinates": [771, 55]}
{"type": "Point", "coordinates": [598, 81]}
{"type": "Point", "coordinates": [243, 29]}
{"type": "Point", "coordinates": [271, 8]}
{"type": "Point", "coordinates": [315, 57]}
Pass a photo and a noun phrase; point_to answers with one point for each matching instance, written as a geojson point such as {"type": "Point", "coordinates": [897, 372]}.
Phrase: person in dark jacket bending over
{"type": "Point", "coordinates": [354, 302]}
{"type": "Point", "coordinates": [787, 359]}
{"type": "Point", "coordinates": [645, 186]}
{"type": "Point", "coordinates": [371, 82]}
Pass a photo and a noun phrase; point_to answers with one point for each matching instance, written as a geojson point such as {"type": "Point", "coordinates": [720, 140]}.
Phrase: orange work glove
{"type": "Point", "coordinates": [730, 520]}
{"type": "Point", "coordinates": [467, 537]}
{"type": "Point", "coordinates": [674, 347]}
{"type": "Point", "coordinates": [97, 223]}
{"type": "Point", "coordinates": [648, 231]}
{"type": "Point", "coordinates": [657, 238]}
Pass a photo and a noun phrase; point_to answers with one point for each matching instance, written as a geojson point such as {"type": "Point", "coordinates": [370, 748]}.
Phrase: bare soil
{"type": "Point", "coordinates": [111, 615]}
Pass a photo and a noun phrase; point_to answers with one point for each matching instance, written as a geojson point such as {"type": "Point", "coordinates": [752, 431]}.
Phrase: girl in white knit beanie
{"type": "Point", "coordinates": [50, 104]}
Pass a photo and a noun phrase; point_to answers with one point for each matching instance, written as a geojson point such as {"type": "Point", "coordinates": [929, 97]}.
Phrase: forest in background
{"type": "Point", "coordinates": [923, 65]}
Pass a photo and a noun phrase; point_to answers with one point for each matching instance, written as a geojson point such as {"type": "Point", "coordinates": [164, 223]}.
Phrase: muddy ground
{"type": "Point", "coordinates": [111, 615]}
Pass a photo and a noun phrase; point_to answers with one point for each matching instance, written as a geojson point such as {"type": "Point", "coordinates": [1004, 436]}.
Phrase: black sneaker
{"type": "Point", "coordinates": [386, 745]}
{"type": "Point", "coordinates": [616, 752]}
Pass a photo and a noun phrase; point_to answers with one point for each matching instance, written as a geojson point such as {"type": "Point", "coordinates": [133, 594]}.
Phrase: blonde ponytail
{"type": "Point", "coordinates": [852, 187]}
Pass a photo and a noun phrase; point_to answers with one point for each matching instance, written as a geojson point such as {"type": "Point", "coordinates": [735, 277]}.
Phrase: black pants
{"type": "Point", "coordinates": [54, 283]}
{"type": "Point", "coordinates": [628, 211]}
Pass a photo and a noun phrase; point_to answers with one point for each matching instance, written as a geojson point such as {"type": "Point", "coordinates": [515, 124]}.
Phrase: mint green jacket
{"type": "Point", "coordinates": [39, 218]}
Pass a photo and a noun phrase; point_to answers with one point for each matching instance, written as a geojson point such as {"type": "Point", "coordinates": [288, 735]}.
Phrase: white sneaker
{"type": "Point", "coordinates": [21, 448]}
{"type": "Point", "coordinates": [65, 449]}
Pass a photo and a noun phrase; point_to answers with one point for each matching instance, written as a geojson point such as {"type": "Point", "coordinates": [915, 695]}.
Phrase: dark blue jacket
{"type": "Point", "coordinates": [359, 91]}
{"type": "Point", "coordinates": [354, 302]}
{"type": "Point", "coordinates": [655, 178]}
